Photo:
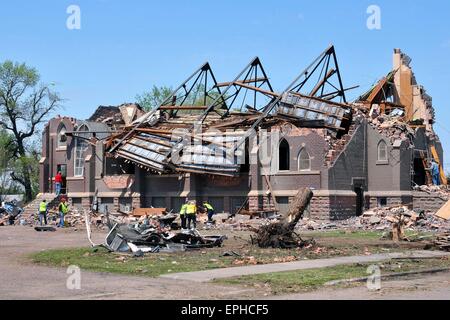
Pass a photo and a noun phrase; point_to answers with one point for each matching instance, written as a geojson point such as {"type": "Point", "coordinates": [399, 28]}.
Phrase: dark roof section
{"type": "Point", "coordinates": [104, 112]}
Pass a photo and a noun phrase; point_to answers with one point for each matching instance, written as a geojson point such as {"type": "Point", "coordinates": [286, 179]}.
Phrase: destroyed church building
{"type": "Point", "coordinates": [353, 155]}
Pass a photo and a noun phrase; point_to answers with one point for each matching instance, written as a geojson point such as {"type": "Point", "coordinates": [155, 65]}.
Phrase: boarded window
{"type": "Point", "coordinates": [284, 156]}
{"type": "Point", "coordinates": [62, 138]}
{"type": "Point", "coordinates": [125, 205]}
{"type": "Point", "coordinates": [382, 201]}
{"type": "Point", "coordinates": [304, 160]}
{"type": "Point", "coordinates": [382, 151]}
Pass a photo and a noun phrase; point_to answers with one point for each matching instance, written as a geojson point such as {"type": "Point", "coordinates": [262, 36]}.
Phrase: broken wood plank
{"type": "Point", "coordinates": [444, 212]}
{"type": "Point", "coordinates": [139, 212]}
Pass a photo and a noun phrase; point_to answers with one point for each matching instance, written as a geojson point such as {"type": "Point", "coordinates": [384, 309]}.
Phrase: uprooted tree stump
{"type": "Point", "coordinates": [281, 234]}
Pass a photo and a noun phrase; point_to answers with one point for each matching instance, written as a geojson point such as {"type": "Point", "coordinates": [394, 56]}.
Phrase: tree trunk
{"type": "Point", "coordinates": [281, 234]}
{"type": "Point", "coordinates": [27, 184]}
{"type": "Point", "coordinates": [297, 207]}
{"type": "Point", "coordinates": [25, 172]}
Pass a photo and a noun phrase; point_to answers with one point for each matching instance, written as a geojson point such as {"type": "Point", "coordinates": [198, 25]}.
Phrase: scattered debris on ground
{"type": "Point", "coordinates": [382, 219]}
{"type": "Point", "coordinates": [442, 241]}
{"type": "Point", "coordinates": [151, 235]}
{"type": "Point", "coordinates": [9, 212]}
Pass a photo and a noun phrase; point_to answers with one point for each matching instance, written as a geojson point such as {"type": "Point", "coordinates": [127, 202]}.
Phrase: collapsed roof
{"type": "Point", "coordinates": [158, 140]}
{"type": "Point", "coordinates": [203, 126]}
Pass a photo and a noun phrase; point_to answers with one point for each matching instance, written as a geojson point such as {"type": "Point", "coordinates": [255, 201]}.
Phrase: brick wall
{"type": "Point", "coordinates": [320, 208]}
{"type": "Point", "coordinates": [428, 203]}
{"type": "Point", "coordinates": [342, 207]}
{"type": "Point", "coordinates": [268, 203]}
{"type": "Point", "coordinates": [253, 203]}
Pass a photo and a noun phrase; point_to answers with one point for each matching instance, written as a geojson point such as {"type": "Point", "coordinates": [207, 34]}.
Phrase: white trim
{"type": "Point", "coordinates": [296, 173]}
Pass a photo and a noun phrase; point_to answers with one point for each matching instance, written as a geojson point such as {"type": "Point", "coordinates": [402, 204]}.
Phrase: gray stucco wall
{"type": "Point", "coordinates": [392, 175]}
{"type": "Point", "coordinates": [313, 142]}
{"type": "Point", "coordinates": [351, 163]}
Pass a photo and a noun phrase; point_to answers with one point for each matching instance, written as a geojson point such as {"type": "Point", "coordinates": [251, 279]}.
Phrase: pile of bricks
{"type": "Point", "coordinates": [381, 219]}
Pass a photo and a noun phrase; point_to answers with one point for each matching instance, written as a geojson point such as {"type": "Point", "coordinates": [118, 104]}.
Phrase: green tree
{"type": "Point", "coordinates": [25, 104]}
{"type": "Point", "coordinates": [6, 145]}
{"type": "Point", "coordinates": [156, 96]}
{"type": "Point", "coordinates": [153, 98]}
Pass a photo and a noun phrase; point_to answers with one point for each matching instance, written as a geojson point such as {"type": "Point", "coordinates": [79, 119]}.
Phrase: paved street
{"type": "Point", "coordinates": [20, 279]}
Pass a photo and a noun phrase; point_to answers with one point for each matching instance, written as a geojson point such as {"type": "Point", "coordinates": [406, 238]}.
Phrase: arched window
{"type": "Point", "coordinates": [62, 138]}
{"type": "Point", "coordinates": [382, 151]}
{"type": "Point", "coordinates": [80, 148]}
{"type": "Point", "coordinates": [304, 160]}
{"type": "Point", "coordinates": [284, 156]}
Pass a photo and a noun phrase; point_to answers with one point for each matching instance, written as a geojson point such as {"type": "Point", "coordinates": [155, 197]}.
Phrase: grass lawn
{"type": "Point", "coordinates": [329, 244]}
{"type": "Point", "coordinates": [360, 234]}
{"type": "Point", "coordinates": [312, 279]}
{"type": "Point", "coordinates": [151, 265]}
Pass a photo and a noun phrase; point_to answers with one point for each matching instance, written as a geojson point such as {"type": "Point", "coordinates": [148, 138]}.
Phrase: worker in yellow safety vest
{"type": "Point", "coordinates": [183, 214]}
{"type": "Point", "coordinates": [63, 208]}
{"type": "Point", "coordinates": [43, 212]}
{"type": "Point", "coordinates": [209, 209]}
{"type": "Point", "coordinates": [191, 212]}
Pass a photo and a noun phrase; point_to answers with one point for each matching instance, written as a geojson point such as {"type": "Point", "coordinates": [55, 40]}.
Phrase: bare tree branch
{"type": "Point", "coordinates": [24, 106]}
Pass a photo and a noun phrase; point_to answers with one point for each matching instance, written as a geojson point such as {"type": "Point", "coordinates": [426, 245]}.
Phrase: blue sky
{"type": "Point", "coordinates": [125, 47]}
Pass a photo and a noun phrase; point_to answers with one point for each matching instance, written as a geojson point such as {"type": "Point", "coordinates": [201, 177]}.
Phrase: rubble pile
{"type": "Point", "coordinates": [392, 128]}
{"type": "Point", "coordinates": [239, 222]}
{"type": "Point", "coordinates": [9, 212]}
{"type": "Point", "coordinates": [441, 191]}
{"type": "Point", "coordinates": [383, 219]}
{"type": "Point", "coordinates": [74, 218]}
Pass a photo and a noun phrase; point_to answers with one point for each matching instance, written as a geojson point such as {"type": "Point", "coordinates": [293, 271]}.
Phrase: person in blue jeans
{"type": "Point", "coordinates": [63, 208]}
{"type": "Point", "coordinates": [435, 173]}
{"type": "Point", "coordinates": [209, 209]}
{"type": "Point", "coordinates": [58, 183]}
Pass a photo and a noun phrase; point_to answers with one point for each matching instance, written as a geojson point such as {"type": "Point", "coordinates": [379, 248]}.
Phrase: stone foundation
{"type": "Point", "coordinates": [267, 203]}
{"type": "Point", "coordinates": [427, 202]}
{"type": "Point", "coordinates": [253, 204]}
{"type": "Point", "coordinates": [341, 207]}
{"type": "Point", "coordinates": [319, 208]}
{"type": "Point", "coordinates": [325, 206]}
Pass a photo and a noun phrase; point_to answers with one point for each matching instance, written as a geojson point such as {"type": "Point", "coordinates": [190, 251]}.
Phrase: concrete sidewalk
{"type": "Point", "coordinates": [208, 275]}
